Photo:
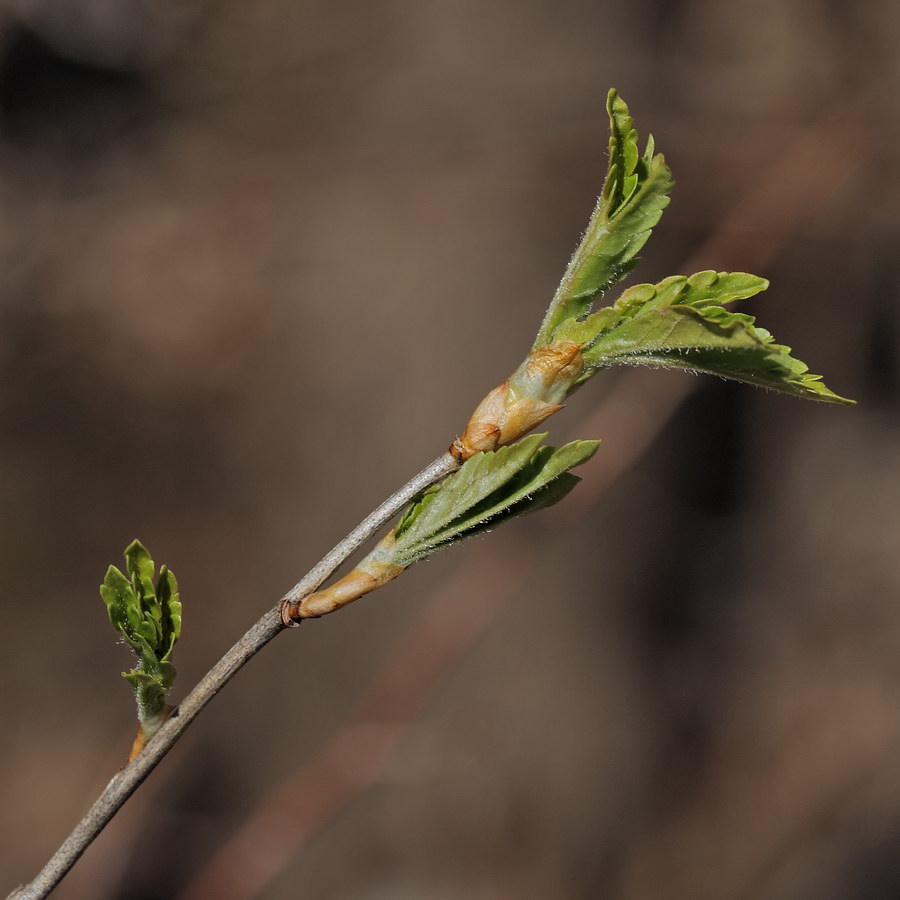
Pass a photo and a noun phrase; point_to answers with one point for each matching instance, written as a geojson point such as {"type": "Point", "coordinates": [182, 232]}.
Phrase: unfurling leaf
{"type": "Point", "coordinates": [148, 616]}
{"type": "Point", "coordinates": [682, 322]}
{"type": "Point", "coordinates": [634, 196]}
{"type": "Point", "coordinates": [490, 487]}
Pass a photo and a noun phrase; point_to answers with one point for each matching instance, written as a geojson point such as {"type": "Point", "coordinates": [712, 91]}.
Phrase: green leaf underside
{"type": "Point", "coordinates": [488, 489]}
{"type": "Point", "coordinates": [148, 616]}
{"type": "Point", "coordinates": [634, 196]}
{"type": "Point", "coordinates": [682, 322]}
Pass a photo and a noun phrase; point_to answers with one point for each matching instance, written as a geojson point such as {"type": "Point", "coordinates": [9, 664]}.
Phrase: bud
{"type": "Point", "coordinates": [373, 572]}
{"type": "Point", "coordinates": [531, 394]}
{"type": "Point", "coordinates": [548, 373]}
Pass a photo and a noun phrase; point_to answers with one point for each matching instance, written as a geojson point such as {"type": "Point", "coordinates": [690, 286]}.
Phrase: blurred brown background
{"type": "Point", "coordinates": [259, 262]}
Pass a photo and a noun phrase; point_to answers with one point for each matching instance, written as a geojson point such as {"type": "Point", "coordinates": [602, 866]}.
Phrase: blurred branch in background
{"type": "Point", "coordinates": [123, 35]}
{"type": "Point", "coordinates": [449, 625]}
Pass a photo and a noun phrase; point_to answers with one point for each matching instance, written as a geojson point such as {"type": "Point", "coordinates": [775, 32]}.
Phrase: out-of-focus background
{"type": "Point", "coordinates": [260, 260]}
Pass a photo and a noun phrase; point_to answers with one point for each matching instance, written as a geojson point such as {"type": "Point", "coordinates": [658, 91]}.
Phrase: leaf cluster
{"type": "Point", "coordinates": [148, 616]}
{"type": "Point", "coordinates": [680, 322]}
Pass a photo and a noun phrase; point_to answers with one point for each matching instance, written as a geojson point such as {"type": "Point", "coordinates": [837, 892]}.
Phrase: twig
{"type": "Point", "coordinates": [125, 782]}
{"type": "Point", "coordinates": [298, 808]}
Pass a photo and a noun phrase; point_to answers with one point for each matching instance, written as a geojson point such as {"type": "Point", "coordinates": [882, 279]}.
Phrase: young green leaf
{"type": "Point", "coordinates": [167, 591]}
{"type": "Point", "coordinates": [148, 616]}
{"type": "Point", "coordinates": [489, 488]}
{"type": "Point", "coordinates": [634, 196]}
{"type": "Point", "coordinates": [682, 322]}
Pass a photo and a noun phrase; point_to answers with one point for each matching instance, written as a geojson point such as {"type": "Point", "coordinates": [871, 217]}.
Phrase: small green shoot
{"type": "Point", "coordinates": [148, 616]}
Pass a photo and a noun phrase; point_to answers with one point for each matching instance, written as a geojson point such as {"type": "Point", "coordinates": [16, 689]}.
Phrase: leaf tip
{"type": "Point", "coordinates": [826, 395]}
